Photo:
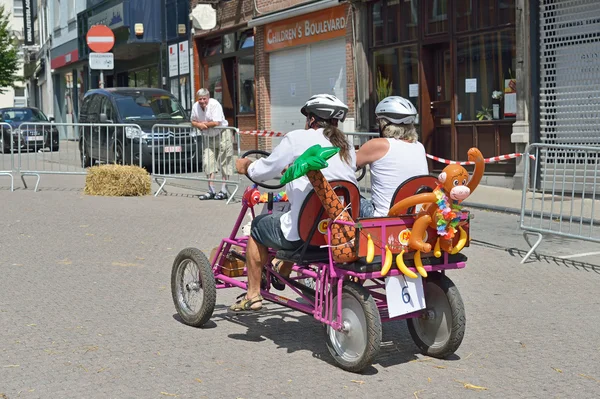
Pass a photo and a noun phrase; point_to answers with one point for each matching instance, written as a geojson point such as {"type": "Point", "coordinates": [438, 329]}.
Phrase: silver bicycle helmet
{"type": "Point", "coordinates": [397, 110]}
{"type": "Point", "coordinates": [326, 107]}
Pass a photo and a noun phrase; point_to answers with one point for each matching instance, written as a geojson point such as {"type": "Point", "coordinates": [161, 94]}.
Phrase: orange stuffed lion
{"type": "Point", "coordinates": [441, 208]}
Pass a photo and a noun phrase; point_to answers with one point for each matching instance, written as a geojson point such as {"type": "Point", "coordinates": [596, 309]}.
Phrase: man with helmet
{"type": "Point", "coordinates": [280, 230]}
{"type": "Point", "coordinates": [393, 158]}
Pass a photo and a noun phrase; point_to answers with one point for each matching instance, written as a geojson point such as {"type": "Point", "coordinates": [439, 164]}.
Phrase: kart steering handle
{"type": "Point", "coordinates": [363, 171]}
{"type": "Point", "coordinates": [263, 185]}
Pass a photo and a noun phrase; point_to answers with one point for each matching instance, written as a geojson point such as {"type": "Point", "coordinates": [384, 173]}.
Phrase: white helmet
{"type": "Point", "coordinates": [326, 107]}
{"type": "Point", "coordinates": [397, 110]}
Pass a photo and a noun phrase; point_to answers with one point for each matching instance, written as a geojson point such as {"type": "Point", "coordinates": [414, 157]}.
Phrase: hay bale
{"type": "Point", "coordinates": [117, 180]}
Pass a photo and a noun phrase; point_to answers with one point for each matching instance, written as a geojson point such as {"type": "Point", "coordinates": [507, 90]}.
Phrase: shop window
{"type": "Point", "coordinates": [229, 43]}
{"type": "Point", "coordinates": [377, 24]}
{"type": "Point", "coordinates": [246, 40]}
{"type": "Point", "coordinates": [506, 12]}
{"type": "Point", "coordinates": [153, 78]}
{"type": "Point", "coordinates": [400, 18]}
{"type": "Point", "coordinates": [214, 82]}
{"type": "Point", "coordinates": [246, 73]}
{"type": "Point", "coordinates": [472, 15]}
{"type": "Point", "coordinates": [396, 73]}
{"type": "Point", "coordinates": [486, 17]}
{"type": "Point", "coordinates": [464, 15]}
{"type": "Point", "coordinates": [141, 78]}
{"type": "Point", "coordinates": [131, 79]}
{"type": "Point", "coordinates": [212, 47]}
{"type": "Point", "coordinates": [485, 64]}
{"type": "Point", "coordinates": [437, 16]}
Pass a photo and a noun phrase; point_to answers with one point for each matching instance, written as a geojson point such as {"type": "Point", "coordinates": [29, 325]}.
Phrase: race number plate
{"type": "Point", "coordinates": [404, 295]}
{"type": "Point", "coordinates": [173, 149]}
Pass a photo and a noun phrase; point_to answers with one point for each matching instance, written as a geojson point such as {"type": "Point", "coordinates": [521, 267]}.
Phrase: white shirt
{"type": "Point", "coordinates": [291, 147]}
{"type": "Point", "coordinates": [212, 113]}
{"type": "Point", "coordinates": [402, 161]}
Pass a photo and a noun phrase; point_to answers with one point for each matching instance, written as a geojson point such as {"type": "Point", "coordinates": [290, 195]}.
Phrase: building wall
{"type": "Point", "coordinates": [62, 20]}
{"type": "Point", "coordinates": [235, 15]}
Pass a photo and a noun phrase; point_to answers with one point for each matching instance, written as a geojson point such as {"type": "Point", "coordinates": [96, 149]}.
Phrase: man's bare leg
{"type": "Point", "coordinates": [256, 257]}
{"type": "Point", "coordinates": [285, 269]}
{"type": "Point", "coordinates": [211, 185]}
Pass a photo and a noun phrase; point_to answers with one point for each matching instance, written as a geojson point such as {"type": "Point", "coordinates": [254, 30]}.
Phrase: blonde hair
{"type": "Point", "coordinates": [399, 132]}
{"type": "Point", "coordinates": [336, 137]}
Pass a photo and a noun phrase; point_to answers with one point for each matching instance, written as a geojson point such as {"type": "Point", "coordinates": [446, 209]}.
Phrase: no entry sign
{"type": "Point", "coordinates": [100, 38]}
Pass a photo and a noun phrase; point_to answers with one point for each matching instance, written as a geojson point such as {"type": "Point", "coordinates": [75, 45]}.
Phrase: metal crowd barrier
{"type": "Point", "coordinates": [7, 162]}
{"type": "Point", "coordinates": [69, 148]}
{"type": "Point", "coordinates": [183, 152]}
{"type": "Point", "coordinates": [561, 195]}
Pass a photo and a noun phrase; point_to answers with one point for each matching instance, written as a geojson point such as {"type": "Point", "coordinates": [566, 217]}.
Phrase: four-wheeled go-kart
{"type": "Point", "coordinates": [351, 299]}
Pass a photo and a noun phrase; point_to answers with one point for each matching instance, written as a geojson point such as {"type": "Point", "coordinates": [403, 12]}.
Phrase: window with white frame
{"type": "Point", "coordinates": [17, 8]}
{"type": "Point", "coordinates": [56, 12]}
{"type": "Point", "coordinates": [71, 10]}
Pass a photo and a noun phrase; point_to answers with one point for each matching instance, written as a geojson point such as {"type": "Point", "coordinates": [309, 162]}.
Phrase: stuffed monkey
{"type": "Point", "coordinates": [439, 207]}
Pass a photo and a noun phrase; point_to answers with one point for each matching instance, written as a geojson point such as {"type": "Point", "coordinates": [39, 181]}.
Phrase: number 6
{"type": "Point", "coordinates": [405, 294]}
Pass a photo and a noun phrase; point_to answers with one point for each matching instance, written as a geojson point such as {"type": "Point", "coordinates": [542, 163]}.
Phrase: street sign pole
{"type": "Point", "coordinates": [100, 39]}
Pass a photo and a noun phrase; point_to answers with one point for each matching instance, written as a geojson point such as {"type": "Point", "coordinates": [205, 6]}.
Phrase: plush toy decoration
{"type": "Point", "coordinates": [441, 208]}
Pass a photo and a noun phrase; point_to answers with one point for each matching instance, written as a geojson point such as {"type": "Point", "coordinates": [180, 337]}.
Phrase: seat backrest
{"type": "Point", "coordinates": [312, 223]}
{"type": "Point", "coordinates": [412, 186]}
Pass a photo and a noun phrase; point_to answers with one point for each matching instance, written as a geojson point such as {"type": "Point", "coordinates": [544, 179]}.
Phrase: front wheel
{"type": "Point", "coordinates": [356, 346]}
{"type": "Point", "coordinates": [440, 330]}
{"type": "Point", "coordinates": [193, 287]}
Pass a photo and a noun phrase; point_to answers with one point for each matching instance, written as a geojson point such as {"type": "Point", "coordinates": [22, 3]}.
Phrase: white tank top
{"type": "Point", "coordinates": [402, 161]}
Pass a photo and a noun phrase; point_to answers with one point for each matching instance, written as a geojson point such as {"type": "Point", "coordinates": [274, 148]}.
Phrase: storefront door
{"type": "Point", "coordinates": [437, 99]}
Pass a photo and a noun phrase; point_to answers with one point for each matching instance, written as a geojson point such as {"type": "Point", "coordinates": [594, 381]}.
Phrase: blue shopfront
{"type": "Point", "coordinates": [145, 32]}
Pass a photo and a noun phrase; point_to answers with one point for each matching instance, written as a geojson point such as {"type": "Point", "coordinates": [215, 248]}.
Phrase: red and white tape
{"type": "Point", "coordinates": [266, 133]}
{"type": "Point", "coordinates": [262, 133]}
{"type": "Point", "coordinates": [486, 160]}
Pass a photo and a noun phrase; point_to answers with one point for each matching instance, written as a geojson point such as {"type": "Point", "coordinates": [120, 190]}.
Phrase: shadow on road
{"type": "Point", "coordinates": [293, 332]}
{"type": "Point", "coordinates": [569, 263]}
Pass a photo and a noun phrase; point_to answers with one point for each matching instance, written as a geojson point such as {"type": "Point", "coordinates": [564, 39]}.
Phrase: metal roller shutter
{"type": "Point", "coordinates": [570, 72]}
{"type": "Point", "coordinates": [569, 93]}
{"type": "Point", "coordinates": [298, 73]}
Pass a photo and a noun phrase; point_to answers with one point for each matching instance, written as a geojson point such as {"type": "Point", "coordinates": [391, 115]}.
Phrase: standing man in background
{"type": "Point", "coordinates": [207, 113]}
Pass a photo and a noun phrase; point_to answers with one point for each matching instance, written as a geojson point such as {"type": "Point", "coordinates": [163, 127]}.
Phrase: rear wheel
{"type": "Point", "coordinates": [440, 330]}
{"type": "Point", "coordinates": [193, 287]}
{"type": "Point", "coordinates": [356, 346]}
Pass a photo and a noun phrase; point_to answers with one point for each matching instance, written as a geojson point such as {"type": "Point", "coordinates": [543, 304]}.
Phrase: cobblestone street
{"type": "Point", "coordinates": [86, 311]}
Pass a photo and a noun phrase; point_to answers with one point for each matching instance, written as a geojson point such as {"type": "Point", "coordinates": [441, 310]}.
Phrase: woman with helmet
{"type": "Point", "coordinates": [393, 158]}
{"type": "Point", "coordinates": [280, 230]}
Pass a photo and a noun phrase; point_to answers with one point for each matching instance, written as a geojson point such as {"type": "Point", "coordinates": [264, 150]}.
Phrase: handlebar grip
{"type": "Point", "coordinates": [270, 202]}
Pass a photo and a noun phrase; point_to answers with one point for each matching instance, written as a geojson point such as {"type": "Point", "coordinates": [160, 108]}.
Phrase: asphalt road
{"type": "Point", "coordinates": [86, 312]}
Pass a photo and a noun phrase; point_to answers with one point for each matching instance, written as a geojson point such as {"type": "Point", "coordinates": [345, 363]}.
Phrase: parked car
{"type": "Point", "coordinates": [31, 130]}
{"type": "Point", "coordinates": [144, 107]}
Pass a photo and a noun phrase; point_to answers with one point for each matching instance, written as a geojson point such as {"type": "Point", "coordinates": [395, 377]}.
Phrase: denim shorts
{"type": "Point", "coordinates": [367, 208]}
{"type": "Point", "coordinates": [266, 230]}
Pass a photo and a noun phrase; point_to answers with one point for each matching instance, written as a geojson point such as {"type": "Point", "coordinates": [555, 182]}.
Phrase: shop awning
{"type": "Point", "coordinates": [292, 12]}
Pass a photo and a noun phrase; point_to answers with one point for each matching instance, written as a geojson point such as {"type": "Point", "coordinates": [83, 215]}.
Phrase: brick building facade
{"type": "Point", "coordinates": [222, 58]}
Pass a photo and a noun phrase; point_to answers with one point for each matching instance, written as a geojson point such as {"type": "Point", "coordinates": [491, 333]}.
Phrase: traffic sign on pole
{"type": "Point", "coordinates": [102, 61]}
{"type": "Point", "coordinates": [100, 39]}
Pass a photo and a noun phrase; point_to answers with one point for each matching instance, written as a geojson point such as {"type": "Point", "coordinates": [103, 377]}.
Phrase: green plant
{"type": "Point", "coordinates": [9, 58]}
{"type": "Point", "coordinates": [384, 87]}
{"type": "Point", "coordinates": [484, 113]}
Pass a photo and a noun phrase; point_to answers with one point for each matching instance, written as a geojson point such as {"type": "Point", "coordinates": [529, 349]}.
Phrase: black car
{"type": "Point", "coordinates": [143, 107]}
{"type": "Point", "coordinates": [31, 130]}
